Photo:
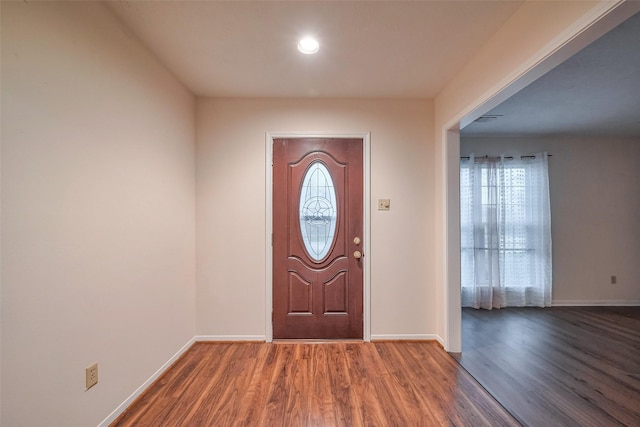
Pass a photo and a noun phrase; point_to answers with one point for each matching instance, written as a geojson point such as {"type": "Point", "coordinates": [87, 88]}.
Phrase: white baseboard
{"type": "Point", "coordinates": [407, 337]}
{"type": "Point", "coordinates": [200, 338]}
{"type": "Point", "coordinates": [586, 303]}
{"type": "Point", "coordinates": [129, 400]}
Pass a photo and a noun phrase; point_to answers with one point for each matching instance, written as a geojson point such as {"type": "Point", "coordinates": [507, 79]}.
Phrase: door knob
{"type": "Point", "coordinates": [357, 255]}
{"type": "Point", "coordinates": [356, 240]}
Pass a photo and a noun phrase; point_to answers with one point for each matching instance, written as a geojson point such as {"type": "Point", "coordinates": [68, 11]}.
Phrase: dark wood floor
{"type": "Point", "coordinates": [322, 384]}
{"type": "Point", "coordinates": [559, 366]}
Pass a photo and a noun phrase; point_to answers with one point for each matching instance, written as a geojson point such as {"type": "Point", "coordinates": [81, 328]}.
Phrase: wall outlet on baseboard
{"type": "Point", "coordinates": [614, 280]}
{"type": "Point", "coordinates": [91, 376]}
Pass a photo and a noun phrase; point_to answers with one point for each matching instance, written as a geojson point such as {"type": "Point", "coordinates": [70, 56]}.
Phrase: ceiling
{"type": "Point", "coordinates": [384, 49]}
{"type": "Point", "coordinates": [368, 49]}
{"type": "Point", "coordinates": [595, 92]}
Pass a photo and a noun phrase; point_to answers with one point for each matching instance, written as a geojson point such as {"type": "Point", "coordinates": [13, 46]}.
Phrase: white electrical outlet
{"type": "Point", "coordinates": [91, 376]}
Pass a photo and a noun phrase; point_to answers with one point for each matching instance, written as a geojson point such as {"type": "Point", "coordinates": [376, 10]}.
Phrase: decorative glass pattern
{"type": "Point", "coordinates": [318, 211]}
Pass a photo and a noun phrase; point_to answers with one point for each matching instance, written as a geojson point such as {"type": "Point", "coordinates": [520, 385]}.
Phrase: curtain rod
{"type": "Point", "coordinates": [506, 157]}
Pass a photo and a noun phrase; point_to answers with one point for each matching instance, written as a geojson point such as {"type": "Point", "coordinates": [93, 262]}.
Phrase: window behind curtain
{"type": "Point", "coordinates": [505, 232]}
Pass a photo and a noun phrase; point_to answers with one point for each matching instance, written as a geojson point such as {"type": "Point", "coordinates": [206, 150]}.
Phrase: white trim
{"type": "Point", "coordinates": [208, 338]}
{"type": "Point", "coordinates": [268, 240]}
{"type": "Point", "coordinates": [590, 27]}
{"type": "Point", "coordinates": [129, 400]}
{"type": "Point", "coordinates": [408, 337]}
{"type": "Point", "coordinates": [587, 303]}
{"type": "Point", "coordinates": [366, 139]}
{"type": "Point", "coordinates": [451, 227]}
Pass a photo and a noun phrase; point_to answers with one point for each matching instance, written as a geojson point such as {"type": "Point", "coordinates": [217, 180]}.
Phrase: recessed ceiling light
{"type": "Point", "coordinates": [308, 46]}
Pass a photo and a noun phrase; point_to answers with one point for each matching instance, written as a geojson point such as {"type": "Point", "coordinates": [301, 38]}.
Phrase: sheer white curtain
{"type": "Point", "coordinates": [505, 232]}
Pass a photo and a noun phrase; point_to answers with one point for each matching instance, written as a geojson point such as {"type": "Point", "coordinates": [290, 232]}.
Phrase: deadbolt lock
{"type": "Point", "coordinates": [356, 240]}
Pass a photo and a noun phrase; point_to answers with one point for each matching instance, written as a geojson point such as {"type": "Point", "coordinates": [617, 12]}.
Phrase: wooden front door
{"type": "Point", "coordinates": [317, 238]}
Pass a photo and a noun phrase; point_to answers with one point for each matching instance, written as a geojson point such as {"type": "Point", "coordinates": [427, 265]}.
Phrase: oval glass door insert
{"type": "Point", "coordinates": [318, 211]}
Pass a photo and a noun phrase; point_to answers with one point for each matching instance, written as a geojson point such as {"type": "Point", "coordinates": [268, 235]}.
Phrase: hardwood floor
{"type": "Point", "coordinates": [316, 384]}
{"type": "Point", "coordinates": [568, 366]}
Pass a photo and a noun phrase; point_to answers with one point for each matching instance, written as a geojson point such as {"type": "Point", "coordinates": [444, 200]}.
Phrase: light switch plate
{"type": "Point", "coordinates": [384, 204]}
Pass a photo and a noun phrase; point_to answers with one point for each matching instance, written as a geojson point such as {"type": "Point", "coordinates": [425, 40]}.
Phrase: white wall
{"type": "Point", "coordinates": [594, 187]}
{"type": "Point", "coordinates": [231, 213]}
{"type": "Point", "coordinates": [98, 213]}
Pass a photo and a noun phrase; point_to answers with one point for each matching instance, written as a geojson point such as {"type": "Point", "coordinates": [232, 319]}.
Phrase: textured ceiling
{"type": "Point", "coordinates": [595, 92]}
{"type": "Point", "coordinates": [395, 49]}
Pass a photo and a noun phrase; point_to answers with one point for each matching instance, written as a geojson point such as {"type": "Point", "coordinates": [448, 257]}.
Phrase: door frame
{"type": "Point", "coordinates": [366, 196]}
